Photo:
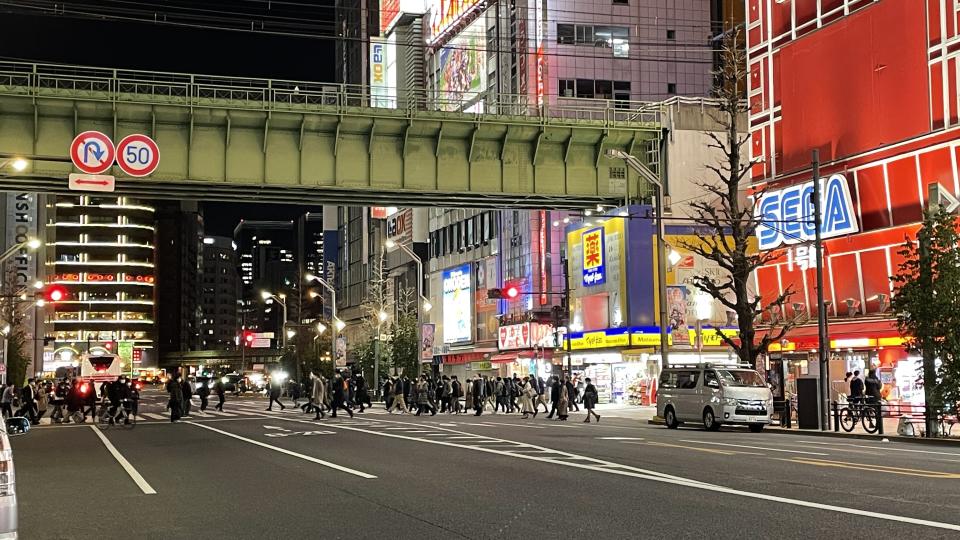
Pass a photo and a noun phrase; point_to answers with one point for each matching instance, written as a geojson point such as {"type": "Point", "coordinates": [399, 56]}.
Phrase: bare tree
{"type": "Point", "coordinates": [12, 309]}
{"type": "Point", "coordinates": [726, 217]}
{"type": "Point", "coordinates": [377, 303]}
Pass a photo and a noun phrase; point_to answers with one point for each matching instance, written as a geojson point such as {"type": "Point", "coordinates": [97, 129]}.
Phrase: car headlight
{"type": "Point", "coordinates": [730, 401]}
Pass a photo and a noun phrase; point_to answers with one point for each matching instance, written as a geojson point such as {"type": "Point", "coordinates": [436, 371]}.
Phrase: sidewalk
{"type": "Point", "coordinates": [889, 433]}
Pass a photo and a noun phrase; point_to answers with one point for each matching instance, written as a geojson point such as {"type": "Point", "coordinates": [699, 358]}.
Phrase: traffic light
{"type": "Point", "coordinates": [248, 338]}
{"type": "Point", "coordinates": [55, 293]}
{"type": "Point", "coordinates": [508, 293]}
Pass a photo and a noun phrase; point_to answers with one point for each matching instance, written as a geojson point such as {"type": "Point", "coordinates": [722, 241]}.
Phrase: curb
{"type": "Point", "coordinates": [657, 421]}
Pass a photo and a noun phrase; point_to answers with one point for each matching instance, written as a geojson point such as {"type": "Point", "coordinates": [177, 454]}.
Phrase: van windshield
{"type": "Point", "coordinates": [740, 377]}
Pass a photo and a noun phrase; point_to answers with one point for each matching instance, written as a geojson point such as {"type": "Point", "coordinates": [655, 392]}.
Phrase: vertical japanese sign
{"type": "Point", "coordinates": [677, 314]}
{"type": "Point", "coordinates": [594, 269]}
{"type": "Point", "coordinates": [427, 334]}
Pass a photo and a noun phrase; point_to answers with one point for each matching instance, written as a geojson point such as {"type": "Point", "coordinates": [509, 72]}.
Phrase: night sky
{"type": "Point", "coordinates": [147, 46]}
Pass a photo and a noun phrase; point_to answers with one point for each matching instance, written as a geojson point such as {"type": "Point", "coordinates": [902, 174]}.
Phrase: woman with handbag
{"type": "Point", "coordinates": [590, 397]}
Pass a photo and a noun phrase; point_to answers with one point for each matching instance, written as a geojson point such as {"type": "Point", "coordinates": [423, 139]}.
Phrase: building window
{"type": "Point", "coordinates": [565, 34]}
{"type": "Point", "coordinates": [622, 2]}
{"type": "Point", "coordinates": [609, 37]}
{"type": "Point", "coordinates": [672, 88]}
{"type": "Point", "coordinates": [584, 88]}
{"type": "Point", "coordinates": [567, 88]}
{"type": "Point", "coordinates": [671, 34]}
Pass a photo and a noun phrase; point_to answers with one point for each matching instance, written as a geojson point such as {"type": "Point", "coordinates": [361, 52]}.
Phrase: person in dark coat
{"type": "Point", "coordinates": [856, 388]}
{"type": "Point", "coordinates": [276, 388]}
{"type": "Point", "coordinates": [478, 395]}
{"type": "Point", "coordinates": [340, 394]}
{"type": "Point", "coordinates": [873, 387]}
{"type": "Point", "coordinates": [203, 392]}
{"type": "Point", "coordinates": [362, 395]}
{"type": "Point", "coordinates": [221, 391]}
{"type": "Point", "coordinates": [572, 393]}
{"type": "Point", "coordinates": [554, 396]}
{"type": "Point", "coordinates": [590, 398]}
{"type": "Point", "coordinates": [187, 390]}
{"type": "Point", "coordinates": [175, 389]}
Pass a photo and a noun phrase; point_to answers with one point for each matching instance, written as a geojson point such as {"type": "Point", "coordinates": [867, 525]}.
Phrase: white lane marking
{"type": "Point", "coordinates": [154, 416]}
{"type": "Point", "coordinates": [756, 447]}
{"type": "Point", "coordinates": [951, 454]}
{"type": "Point", "coordinates": [221, 413]}
{"type": "Point", "coordinates": [133, 473]}
{"type": "Point", "coordinates": [620, 438]}
{"type": "Point", "coordinates": [288, 452]}
{"type": "Point", "coordinates": [625, 470]}
{"type": "Point", "coordinates": [511, 425]}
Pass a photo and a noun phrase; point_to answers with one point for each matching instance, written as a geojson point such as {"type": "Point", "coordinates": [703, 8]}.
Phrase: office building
{"type": "Point", "coordinates": [219, 286]}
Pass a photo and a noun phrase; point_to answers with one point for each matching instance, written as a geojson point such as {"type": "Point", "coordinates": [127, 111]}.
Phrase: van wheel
{"type": "Point", "coordinates": [670, 418]}
{"type": "Point", "coordinates": [709, 421]}
{"type": "Point", "coordinates": [756, 428]}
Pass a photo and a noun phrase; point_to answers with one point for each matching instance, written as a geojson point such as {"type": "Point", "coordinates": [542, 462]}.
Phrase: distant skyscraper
{"type": "Point", "coordinates": [179, 244]}
{"type": "Point", "coordinates": [219, 286]}
{"type": "Point", "coordinates": [266, 252]}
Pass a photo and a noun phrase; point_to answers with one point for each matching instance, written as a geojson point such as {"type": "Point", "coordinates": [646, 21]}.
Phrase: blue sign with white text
{"type": "Point", "coordinates": [786, 215]}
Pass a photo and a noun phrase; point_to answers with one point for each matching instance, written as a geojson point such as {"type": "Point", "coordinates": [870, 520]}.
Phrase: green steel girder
{"type": "Point", "coordinates": [233, 142]}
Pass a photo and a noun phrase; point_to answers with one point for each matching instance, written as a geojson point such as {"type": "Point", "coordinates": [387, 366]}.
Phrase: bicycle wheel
{"type": "Point", "coordinates": [870, 420]}
{"type": "Point", "coordinates": [848, 419]}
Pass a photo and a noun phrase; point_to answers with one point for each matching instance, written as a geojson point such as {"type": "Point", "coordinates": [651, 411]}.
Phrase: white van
{"type": "Point", "coordinates": [715, 395]}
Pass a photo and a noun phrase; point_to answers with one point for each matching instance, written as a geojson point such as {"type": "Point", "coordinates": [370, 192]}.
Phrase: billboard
{"type": "Point", "coordinates": [444, 14]}
{"type": "Point", "coordinates": [594, 267]}
{"type": "Point", "coordinates": [457, 305]}
{"type": "Point", "coordinates": [379, 85]}
{"type": "Point", "coordinates": [785, 215]}
{"type": "Point", "coordinates": [463, 68]}
{"type": "Point", "coordinates": [428, 332]}
{"type": "Point", "coordinates": [677, 314]}
{"type": "Point", "coordinates": [389, 11]}
{"type": "Point", "coordinates": [400, 228]}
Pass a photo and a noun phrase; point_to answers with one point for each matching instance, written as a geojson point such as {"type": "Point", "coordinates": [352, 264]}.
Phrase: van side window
{"type": "Point", "coordinates": [710, 376]}
{"type": "Point", "coordinates": [668, 379]}
{"type": "Point", "coordinates": [687, 379]}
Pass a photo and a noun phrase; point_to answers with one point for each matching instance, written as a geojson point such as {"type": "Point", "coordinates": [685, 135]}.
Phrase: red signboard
{"type": "Point", "coordinates": [389, 11]}
{"type": "Point", "coordinates": [100, 277]}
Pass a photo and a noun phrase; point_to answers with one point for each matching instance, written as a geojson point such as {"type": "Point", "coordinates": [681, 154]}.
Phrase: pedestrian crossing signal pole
{"type": "Point", "coordinates": [823, 348]}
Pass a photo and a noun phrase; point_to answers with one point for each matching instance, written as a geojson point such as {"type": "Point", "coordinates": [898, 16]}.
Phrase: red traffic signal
{"type": "Point", "coordinates": [55, 293]}
{"type": "Point", "coordinates": [509, 293]}
{"type": "Point", "coordinates": [248, 337]}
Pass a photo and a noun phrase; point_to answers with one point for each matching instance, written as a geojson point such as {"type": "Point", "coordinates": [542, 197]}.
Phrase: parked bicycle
{"type": "Point", "coordinates": [858, 411]}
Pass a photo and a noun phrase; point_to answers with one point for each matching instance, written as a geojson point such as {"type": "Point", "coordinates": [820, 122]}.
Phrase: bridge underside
{"type": "Point", "coordinates": [225, 145]}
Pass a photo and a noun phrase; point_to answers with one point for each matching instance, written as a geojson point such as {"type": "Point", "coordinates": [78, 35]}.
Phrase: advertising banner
{"type": "Point", "coordinates": [427, 335]}
{"type": "Point", "coordinates": [463, 68]}
{"type": "Point", "coordinates": [379, 86]}
{"type": "Point", "coordinates": [594, 269]}
{"type": "Point", "coordinates": [341, 352]}
{"type": "Point", "coordinates": [677, 314]}
{"type": "Point", "coordinates": [457, 305]}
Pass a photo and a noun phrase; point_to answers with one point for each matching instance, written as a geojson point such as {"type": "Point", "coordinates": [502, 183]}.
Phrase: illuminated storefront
{"type": "Point", "coordinates": [883, 140]}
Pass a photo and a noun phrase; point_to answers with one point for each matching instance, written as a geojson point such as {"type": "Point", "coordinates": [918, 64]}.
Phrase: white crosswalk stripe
{"type": "Point", "coordinates": [219, 413]}
{"type": "Point", "coordinates": [154, 416]}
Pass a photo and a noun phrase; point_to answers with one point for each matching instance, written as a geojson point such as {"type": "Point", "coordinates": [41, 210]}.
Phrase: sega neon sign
{"type": "Point", "coordinates": [786, 215]}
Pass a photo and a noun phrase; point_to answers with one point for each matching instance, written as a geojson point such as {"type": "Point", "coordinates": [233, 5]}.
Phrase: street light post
{"type": "Point", "coordinates": [31, 244]}
{"type": "Point", "coordinates": [280, 299]}
{"type": "Point", "coordinates": [337, 324]}
{"type": "Point", "coordinates": [422, 303]}
{"type": "Point", "coordinates": [651, 177]}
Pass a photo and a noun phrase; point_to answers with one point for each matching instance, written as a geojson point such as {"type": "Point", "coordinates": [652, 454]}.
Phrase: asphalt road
{"type": "Point", "coordinates": [249, 473]}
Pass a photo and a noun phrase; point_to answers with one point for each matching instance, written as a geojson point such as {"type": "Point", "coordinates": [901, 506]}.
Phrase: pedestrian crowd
{"type": "Point", "coordinates": [67, 399]}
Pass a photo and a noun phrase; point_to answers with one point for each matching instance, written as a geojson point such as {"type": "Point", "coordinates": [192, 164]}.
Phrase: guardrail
{"type": "Point", "coordinates": [82, 82]}
{"type": "Point", "coordinates": [911, 418]}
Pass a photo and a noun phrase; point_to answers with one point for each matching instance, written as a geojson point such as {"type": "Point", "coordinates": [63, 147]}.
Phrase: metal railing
{"type": "Point", "coordinates": [133, 86]}
{"type": "Point", "coordinates": [911, 418]}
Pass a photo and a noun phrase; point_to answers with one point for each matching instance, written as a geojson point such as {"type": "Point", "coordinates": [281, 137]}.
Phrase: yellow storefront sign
{"type": "Point", "coordinates": [601, 340]}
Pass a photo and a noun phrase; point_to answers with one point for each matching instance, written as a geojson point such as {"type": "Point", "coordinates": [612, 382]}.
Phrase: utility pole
{"type": "Point", "coordinates": [823, 348]}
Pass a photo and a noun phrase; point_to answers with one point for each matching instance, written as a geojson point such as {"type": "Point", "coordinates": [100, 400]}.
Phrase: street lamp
{"type": "Point", "coordinates": [649, 176]}
{"type": "Point", "coordinates": [280, 299]}
{"type": "Point", "coordinates": [18, 164]}
{"type": "Point", "coordinates": [321, 328]}
{"type": "Point", "coordinates": [338, 325]}
{"type": "Point", "coordinates": [31, 244]}
{"type": "Point", "coordinates": [427, 306]}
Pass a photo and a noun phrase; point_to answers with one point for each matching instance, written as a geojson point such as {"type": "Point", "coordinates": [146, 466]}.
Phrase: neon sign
{"type": "Point", "coordinates": [594, 269]}
{"type": "Point", "coordinates": [786, 215]}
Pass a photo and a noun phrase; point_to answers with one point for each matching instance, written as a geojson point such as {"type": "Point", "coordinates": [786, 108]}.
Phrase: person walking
{"type": "Point", "coordinates": [479, 396]}
{"type": "Point", "coordinates": [446, 391]}
{"type": "Point", "coordinates": [590, 398]}
{"type": "Point", "coordinates": [526, 399]}
{"type": "Point", "coordinates": [276, 388]}
{"type": "Point", "coordinates": [318, 395]}
{"type": "Point", "coordinates": [563, 405]}
{"type": "Point", "coordinates": [423, 398]}
{"type": "Point", "coordinates": [175, 390]}
{"type": "Point", "coordinates": [456, 392]}
{"type": "Point", "coordinates": [399, 403]}
{"type": "Point", "coordinates": [554, 395]}
{"type": "Point", "coordinates": [28, 396]}
{"type": "Point", "coordinates": [362, 395]}
{"type": "Point", "coordinates": [203, 392]}
{"type": "Point", "coordinates": [387, 389]}
{"type": "Point", "coordinates": [468, 398]}
{"type": "Point", "coordinates": [221, 390]}
{"type": "Point", "coordinates": [340, 394]}
{"type": "Point", "coordinates": [489, 394]}
{"type": "Point", "coordinates": [6, 400]}
{"type": "Point", "coordinates": [42, 392]}
{"type": "Point", "coordinates": [293, 392]}
{"type": "Point", "coordinates": [541, 388]}
{"type": "Point", "coordinates": [571, 394]}
{"type": "Point", "coordinates": [187, 391]}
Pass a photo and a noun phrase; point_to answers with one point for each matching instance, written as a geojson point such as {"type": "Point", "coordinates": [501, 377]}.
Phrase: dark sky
{"type": "Point", "coordinates": [140, 45]}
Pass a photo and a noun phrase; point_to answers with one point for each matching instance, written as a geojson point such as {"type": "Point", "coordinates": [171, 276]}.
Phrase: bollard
{"type": "Point", "coordinates": [836, 415]}
{"type": "Point", "coordinates": [879, 418]}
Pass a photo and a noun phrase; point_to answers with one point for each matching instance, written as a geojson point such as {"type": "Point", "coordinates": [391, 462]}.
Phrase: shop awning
{"type": "Point", "coordinates": [501, 358]}
{"type": "Point", "coordinates": [843, 331]}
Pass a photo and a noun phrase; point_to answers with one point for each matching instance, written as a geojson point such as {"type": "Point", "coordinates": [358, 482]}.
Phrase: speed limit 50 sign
{"type": "Point", "coordinates": [138, 155]}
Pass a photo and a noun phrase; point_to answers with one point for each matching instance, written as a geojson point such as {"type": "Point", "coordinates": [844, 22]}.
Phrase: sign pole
{"type": "Point", "coordinates": [823, 348]}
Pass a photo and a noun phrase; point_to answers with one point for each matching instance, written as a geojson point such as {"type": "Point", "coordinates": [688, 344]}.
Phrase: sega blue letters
{"type": "Point", "coordinates": [786, 215]}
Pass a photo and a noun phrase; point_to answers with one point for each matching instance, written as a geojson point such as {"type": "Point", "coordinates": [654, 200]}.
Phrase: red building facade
{"type": "Point", "coordinates": [871, 84]}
